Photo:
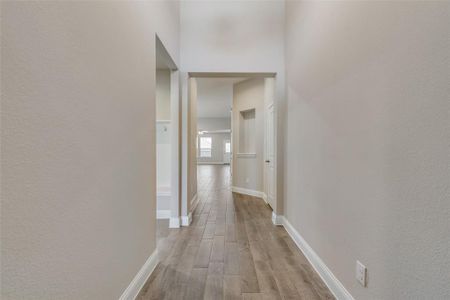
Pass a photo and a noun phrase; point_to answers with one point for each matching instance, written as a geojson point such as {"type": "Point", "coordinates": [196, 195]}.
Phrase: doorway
{"type": "Point", "coordinates": [250, 150]}
{"type": "Point", "coordinates": [167, 104]}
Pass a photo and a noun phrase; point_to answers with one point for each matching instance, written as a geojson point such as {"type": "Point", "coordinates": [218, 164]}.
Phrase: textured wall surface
{"type": "Point", "coordinates": [214, 97]}
{"type": "Point", "coordinates": [162, 94]}
{"type": "Point", "coordinates": [214, 123]}
{"type": "Point", "coordinates": [368, 142]}
{"type": "Point", "coordinates": [78, 144]}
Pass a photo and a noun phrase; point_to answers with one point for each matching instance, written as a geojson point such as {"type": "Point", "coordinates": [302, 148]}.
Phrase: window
{"type": "Point", "coordinates": [227, 147]}
{"type": "Point", "coordinates": [205, 146]}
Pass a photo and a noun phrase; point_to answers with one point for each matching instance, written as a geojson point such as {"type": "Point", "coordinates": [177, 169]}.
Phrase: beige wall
{"type": "Point", "coordinates": [211, 124]}
{"type": "Point", "coordinates": [368, 139]}
{"type": "Point", "coordinates": [163, 134]}
{"type": "Point", "coordinates": [248, 172]}
{"type": "Point", "coordinates": [78, 144]}
{"type": "Point", "coordinates": [162, 94]}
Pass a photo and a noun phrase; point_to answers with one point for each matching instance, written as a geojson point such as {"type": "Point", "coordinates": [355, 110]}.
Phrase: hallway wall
{"type": "Point", "coordinates": [163, 139]}
{"type": "Point", "coordinates": [214, 97]}
{"type": "Point", "coordinates": [248, 172]}
{"type": "Point", "coordinates": [78, 144]}
{"type": "Point", "coordinates": [211, 124]}
{"type": "Point", "coordinates": [232, 36]}
{"type": "Point", "coordinates": [368, 138]}
{"type": "Point", "coordinates": [163, 94]}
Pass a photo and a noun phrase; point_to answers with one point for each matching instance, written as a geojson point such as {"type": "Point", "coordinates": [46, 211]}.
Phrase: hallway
{"type": "Point", "coordinates": [231, 251]}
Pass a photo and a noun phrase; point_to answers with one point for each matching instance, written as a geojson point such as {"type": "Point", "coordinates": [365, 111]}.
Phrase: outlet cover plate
{"type": "Point", "coordinates": [361, 273]}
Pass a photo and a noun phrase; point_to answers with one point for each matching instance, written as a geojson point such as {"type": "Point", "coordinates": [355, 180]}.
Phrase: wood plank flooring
{"type": "Point", "coordinates": [231, 251]}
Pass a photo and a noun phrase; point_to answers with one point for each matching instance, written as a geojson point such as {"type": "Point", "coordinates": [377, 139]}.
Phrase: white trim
{"type": "Point", "coordinates": [200, 132]}
{"type": "Point", "coordinates": [277, 220]}
{"type": "Point", "coordinates": [264, 197]}
{"type": "Point", "coordinates": [174, 222]}
{"type": "Point", "coordinates": [210, 162]}
{"type": "Point", "coordinates": [247, 192]}
{"type": "Point", "coordinates": [321, 268]}
{"type": "Point", "coordinates": [163, 121]}
{"type": "Point", "coordinates": [185, 82]}
{"type": "Point", "coordinates": [186, 220]}
{"type": "Point", "coordinates": [194, 202]}
{"type": "Point", "coordinates": [163, 193]}
{"type": "Point", "coordinates": [133, 289]}
{"type": "Point", "coordinates": [246, 155]}
{"type": "Point", "coordinates": [175, 148]}
{"type": "Point", "coordinates": [163, 214]}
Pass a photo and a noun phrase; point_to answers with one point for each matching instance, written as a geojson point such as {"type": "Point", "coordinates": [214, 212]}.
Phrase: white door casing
{"type": "Point", "coordinates": [269, 159]}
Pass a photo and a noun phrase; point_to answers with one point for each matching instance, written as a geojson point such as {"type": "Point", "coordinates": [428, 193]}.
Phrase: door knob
{"type": "Point", "coordinates": [267, 161]}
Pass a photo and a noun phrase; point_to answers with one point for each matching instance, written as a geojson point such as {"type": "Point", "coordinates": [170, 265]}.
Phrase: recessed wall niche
{"type": "Point", "coordinates": [247, 131]}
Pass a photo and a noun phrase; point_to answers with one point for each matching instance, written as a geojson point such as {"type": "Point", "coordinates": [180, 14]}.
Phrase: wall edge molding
{"type": "Point", "coordinates": [335, 286]}
{"type": "Point", "coordinates": [133, 289]}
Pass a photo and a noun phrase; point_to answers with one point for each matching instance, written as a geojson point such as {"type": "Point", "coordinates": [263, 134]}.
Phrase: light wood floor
{"type": "Point", "coordinates": [231, 251]}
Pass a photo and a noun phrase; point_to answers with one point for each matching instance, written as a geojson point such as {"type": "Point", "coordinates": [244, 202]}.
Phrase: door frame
{"type": "Point", "coordinates": [267, 107]}
{"type": "Point", "coordinates": [189, 104]}
{"type": "Point", "coordinates": [163, 56]}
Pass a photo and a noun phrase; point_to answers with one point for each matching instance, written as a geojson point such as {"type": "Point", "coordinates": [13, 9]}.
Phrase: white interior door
{"type": "Point", "coordinates": [270, 157]}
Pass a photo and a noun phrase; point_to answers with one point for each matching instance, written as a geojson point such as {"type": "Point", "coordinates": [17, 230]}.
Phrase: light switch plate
{"type": "Point", "coordinates": [361, 273]}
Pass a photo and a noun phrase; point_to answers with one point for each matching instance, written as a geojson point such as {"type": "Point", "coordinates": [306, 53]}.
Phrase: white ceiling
{"type": "Point", "coordinates": [215, 96]}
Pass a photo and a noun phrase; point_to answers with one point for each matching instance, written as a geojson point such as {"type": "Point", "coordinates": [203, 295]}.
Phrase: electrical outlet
{"type": "Point", "coordinates": [361, 273]}
{"type": "Point", "coordinates": [247, 180]}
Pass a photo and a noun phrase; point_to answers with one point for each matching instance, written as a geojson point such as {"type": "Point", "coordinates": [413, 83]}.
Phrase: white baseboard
{"type": "Point", "coordinates": [264, 197]}
{"type": "Point", "coordinates": [133, 289]}
{"type": "Point", "coordinates": [194, 202]}
{"type": "Point", "coordinates": [247, 192]}
{"type": "Point", "coordinates": [174, 222]}
{"type": "Point", "coordinates": [321, 268]}
{"type": "Point", "coordinates": [163, 214]}
{"type": "Point", "coordinates": [186, 220]}
{"type": "Point", "coordinates": [277, 220]}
